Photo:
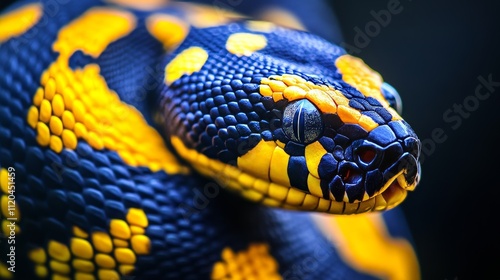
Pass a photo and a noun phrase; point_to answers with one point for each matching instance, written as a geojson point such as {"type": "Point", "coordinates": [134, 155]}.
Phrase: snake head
{"type": "Point", "coordinates": [288, 119]}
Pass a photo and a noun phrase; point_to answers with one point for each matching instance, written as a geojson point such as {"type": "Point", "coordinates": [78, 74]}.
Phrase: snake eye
{"type": "Point", "coordinates": [392, 96]}
{"type": "Point", "coordinates": [302, 121]}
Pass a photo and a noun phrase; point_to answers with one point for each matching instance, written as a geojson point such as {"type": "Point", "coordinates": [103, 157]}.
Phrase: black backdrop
{"type": "Point", "coordinates": [436, 53]}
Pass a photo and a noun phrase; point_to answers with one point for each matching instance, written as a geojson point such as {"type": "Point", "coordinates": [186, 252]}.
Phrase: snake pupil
{"type": "Point", "coordinates": [302, 122]}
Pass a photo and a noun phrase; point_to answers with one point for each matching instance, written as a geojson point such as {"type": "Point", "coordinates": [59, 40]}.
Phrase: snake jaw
{"type": "Point", "coordinates": [406, 178]}
{"type": "Point", "coordinates": [275, 194]}
{"type": "Point", "coordinates": [394, 193]}
{"type": "Point", "coordinates": [395, 190]}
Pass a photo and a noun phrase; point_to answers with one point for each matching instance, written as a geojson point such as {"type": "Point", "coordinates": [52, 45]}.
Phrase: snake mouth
{"type": "Point", "coordinates": [396, 188]}
{"type": "Point", "coordinates": [273, 194]}
{"type": "Point", "coordinates": [406, 176]}
{"type": "Point", "coordinates": [392, 194]}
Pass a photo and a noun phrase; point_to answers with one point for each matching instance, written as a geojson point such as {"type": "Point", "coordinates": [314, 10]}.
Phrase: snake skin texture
{"type": "Point", "coordinates": [165, 140]}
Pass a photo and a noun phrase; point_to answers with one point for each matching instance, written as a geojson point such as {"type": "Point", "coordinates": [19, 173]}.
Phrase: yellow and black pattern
{"type": "Point", "coordinates": [110, 109]}
{"type": "Point", "coordinates": [253, 263]}
{"type": "Point", "coordinates": [107, 254]}
{"type": "Point", "coordinates": [282, 137]}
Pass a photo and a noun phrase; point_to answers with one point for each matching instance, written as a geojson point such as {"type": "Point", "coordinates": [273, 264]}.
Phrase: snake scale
{"type": "Point", "coordinates": [169, 140]}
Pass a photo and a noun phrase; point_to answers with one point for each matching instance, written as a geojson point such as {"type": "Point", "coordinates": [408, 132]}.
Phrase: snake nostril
{"type": "Point", "coordinates": [366, 155]}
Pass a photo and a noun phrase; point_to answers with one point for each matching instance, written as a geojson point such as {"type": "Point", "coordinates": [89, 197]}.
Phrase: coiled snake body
{"type": "Point", "coordinates": [155, 141]}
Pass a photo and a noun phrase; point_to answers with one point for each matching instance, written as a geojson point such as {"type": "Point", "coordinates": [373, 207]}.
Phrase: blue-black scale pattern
{"type": "Point", "coordinates": [226, 115]}
{"type": "Point", "coordinates": [227, 110]}
{"type": "Point", "coordinates": [294, 149]}
{"type": "Point", "coordinates": [297, 172]}
{"type": "Point", "coordinates": [18, 147]}
{"type": "Point", "coordinates": [130, 67]}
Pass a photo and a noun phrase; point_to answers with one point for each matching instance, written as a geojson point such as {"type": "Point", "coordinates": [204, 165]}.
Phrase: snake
{"type": "Point", "coordinates": [173, 140]}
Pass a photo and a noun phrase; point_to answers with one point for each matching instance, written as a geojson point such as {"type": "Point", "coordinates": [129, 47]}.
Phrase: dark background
{"type": "Point", "coordinates": [433, 52]}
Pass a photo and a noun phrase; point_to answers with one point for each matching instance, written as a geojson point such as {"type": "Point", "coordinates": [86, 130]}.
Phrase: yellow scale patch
{"type": "Point", "coordinates": [77, 104]}
{"type": "Point", "coordinates": [98, 255]}
{"type": "Point", "coordinates": [252, 182]}
{"type": "Point", "coordinates": [260, 26]}
{"type": "Point", "coordinates": [268, 161]}
{"type": "Point", "coordinates": [356, 73]}
{"type": "Point", "coordinates": [245, 44]}
{"type": "Point", "coordinates": [365, 244]}
{"type": "Point", "coordinates": [187, 62]}
{"type": "Point", "coordinates": [169, 30]}
{"type": "Point", "coordinates": [10, 216]}
{"type": "Point", "coordinates": [19, 21]}
{"type": "Point", "coordinates": [326, 99]}
{"type": "Point", "coordinates": [254, 263]}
